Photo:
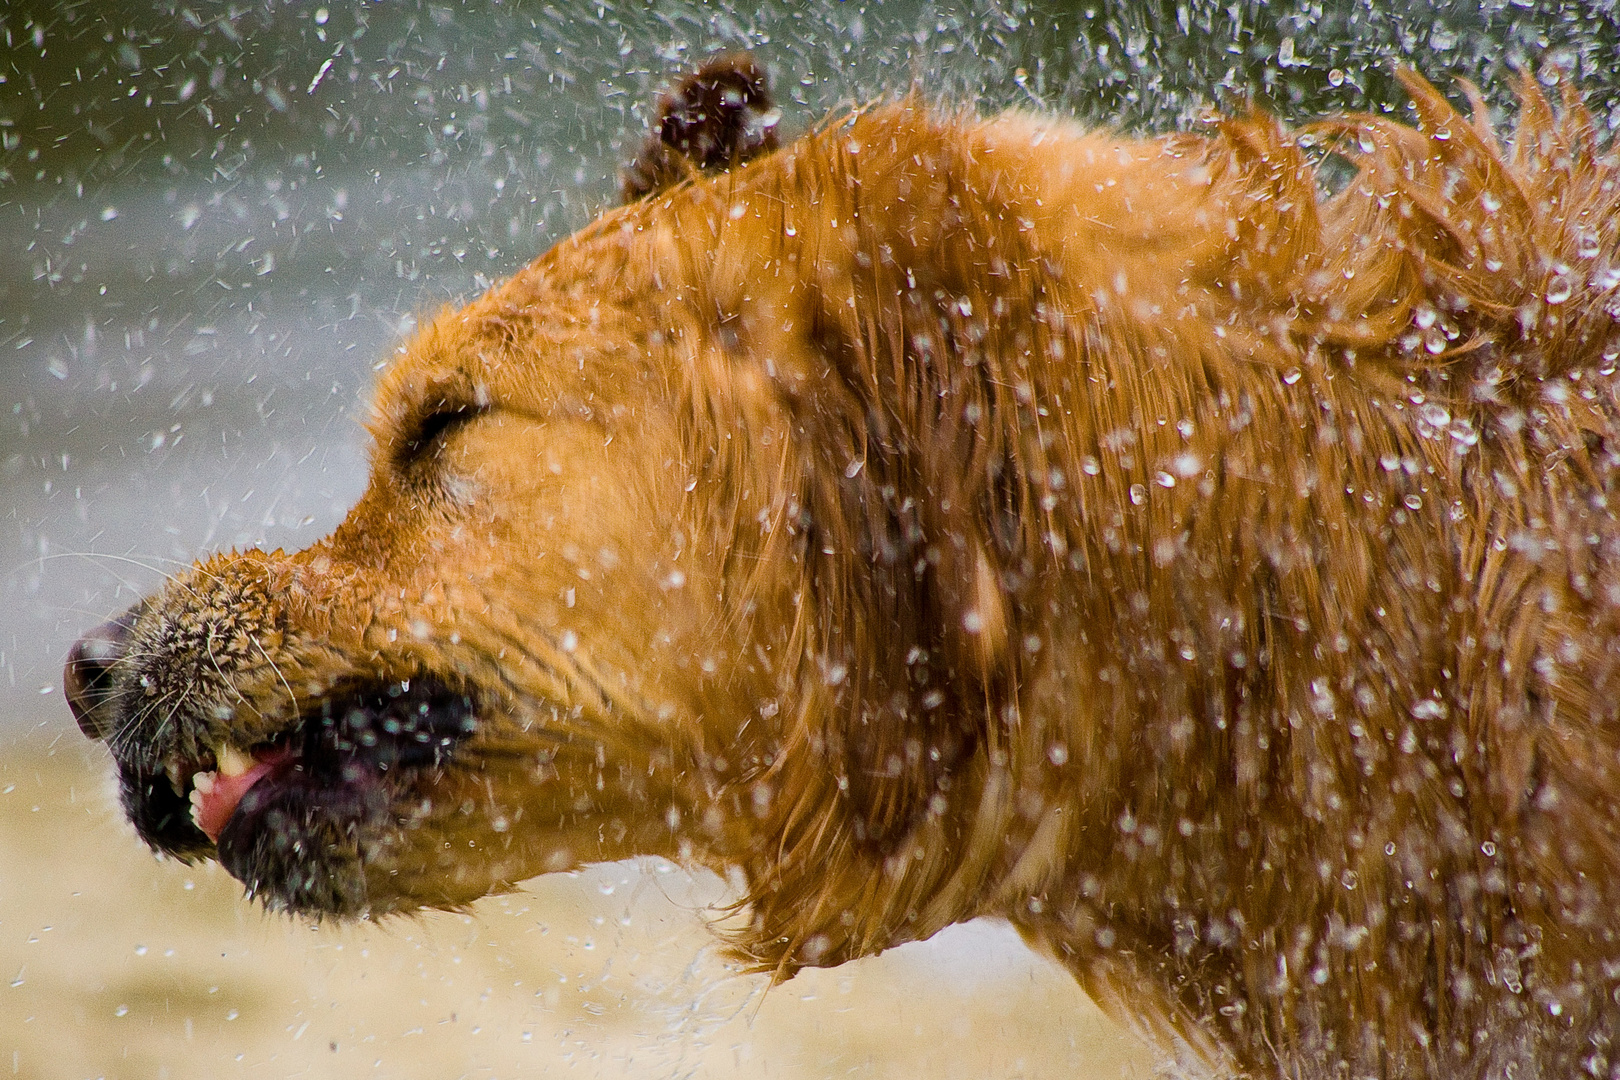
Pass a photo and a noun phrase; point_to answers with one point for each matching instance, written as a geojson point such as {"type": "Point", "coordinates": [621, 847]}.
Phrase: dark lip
{"type": "Point", "coordinates": [337, 767]}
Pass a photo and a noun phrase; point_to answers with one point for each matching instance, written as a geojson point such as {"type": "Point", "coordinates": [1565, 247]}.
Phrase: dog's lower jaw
{"type": "Point", "coordinates": [494, 820]}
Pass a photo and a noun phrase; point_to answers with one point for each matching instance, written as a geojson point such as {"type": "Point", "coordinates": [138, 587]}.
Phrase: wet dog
{"type": "Point", "coordinates": [939, 517]}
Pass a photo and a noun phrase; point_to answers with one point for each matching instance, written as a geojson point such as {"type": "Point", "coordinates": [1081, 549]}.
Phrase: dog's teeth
{"type": "Point", "coordinates": [233, 762]}
{"type": "Point", "coordinates": [177, 779]}
{"type": "Point", "coordinates": [197, 794]}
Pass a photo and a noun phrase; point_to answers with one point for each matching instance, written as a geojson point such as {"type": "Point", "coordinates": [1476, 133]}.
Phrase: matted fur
{"type": "Point", "coordinates": [945, 517]}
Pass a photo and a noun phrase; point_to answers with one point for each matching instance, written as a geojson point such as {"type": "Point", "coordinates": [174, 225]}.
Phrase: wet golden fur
{"type": "Point", "coordinates": [945, 517]}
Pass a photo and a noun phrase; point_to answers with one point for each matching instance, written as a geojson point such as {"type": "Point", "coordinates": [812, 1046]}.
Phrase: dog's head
{"type": "Point", "coordinates": [497, 664]}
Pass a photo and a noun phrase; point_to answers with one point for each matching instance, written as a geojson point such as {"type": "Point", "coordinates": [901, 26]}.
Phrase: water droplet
{"type": "Point", "coordinates": [1429, 709]}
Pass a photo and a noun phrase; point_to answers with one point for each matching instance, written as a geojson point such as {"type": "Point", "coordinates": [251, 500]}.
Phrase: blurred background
{"type": "Point", "coordinates": [217, 219]}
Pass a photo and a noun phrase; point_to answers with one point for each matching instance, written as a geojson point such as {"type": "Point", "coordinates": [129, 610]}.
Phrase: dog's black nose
{"type": "Point", "coordinates": [87, 677]}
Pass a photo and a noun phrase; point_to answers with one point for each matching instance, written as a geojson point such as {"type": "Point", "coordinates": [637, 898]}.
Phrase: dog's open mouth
{"type": "Point", "coordinates": [310, 791]}
{"type": "Point", "coordinates": [215, 795]}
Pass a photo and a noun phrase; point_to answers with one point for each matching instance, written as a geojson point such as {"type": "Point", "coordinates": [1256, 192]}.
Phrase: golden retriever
{"type": "Point", "coordinates": [936, 517]}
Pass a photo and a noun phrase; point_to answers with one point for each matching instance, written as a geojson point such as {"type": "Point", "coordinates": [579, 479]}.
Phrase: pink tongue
{"type": "Point", "coordinates": [215, 808]}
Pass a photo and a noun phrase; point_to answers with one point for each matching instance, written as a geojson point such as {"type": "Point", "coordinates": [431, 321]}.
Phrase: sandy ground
{"type": "Point", "coordinates": [115, 965]}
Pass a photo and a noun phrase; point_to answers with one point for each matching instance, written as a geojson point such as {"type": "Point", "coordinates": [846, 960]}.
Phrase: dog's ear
{"type": "Point", "coordinates": [916, 624]}
{"type": "Point", "coordinates": [924, 508]}
{"type": "Point", "coordinates": [714, 119]}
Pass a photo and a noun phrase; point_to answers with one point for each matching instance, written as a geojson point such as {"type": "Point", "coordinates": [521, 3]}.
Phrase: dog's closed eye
{"type": "Point", "coordinates": [424, 435]}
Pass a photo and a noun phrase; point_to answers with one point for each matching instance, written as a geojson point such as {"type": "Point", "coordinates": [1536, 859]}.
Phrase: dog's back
{"type": "Point", "coordinates": [1347, 614]}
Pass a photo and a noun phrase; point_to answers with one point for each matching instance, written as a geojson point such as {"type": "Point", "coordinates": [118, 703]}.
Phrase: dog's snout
{"type": "Point", "coordinates": [87, 677]}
